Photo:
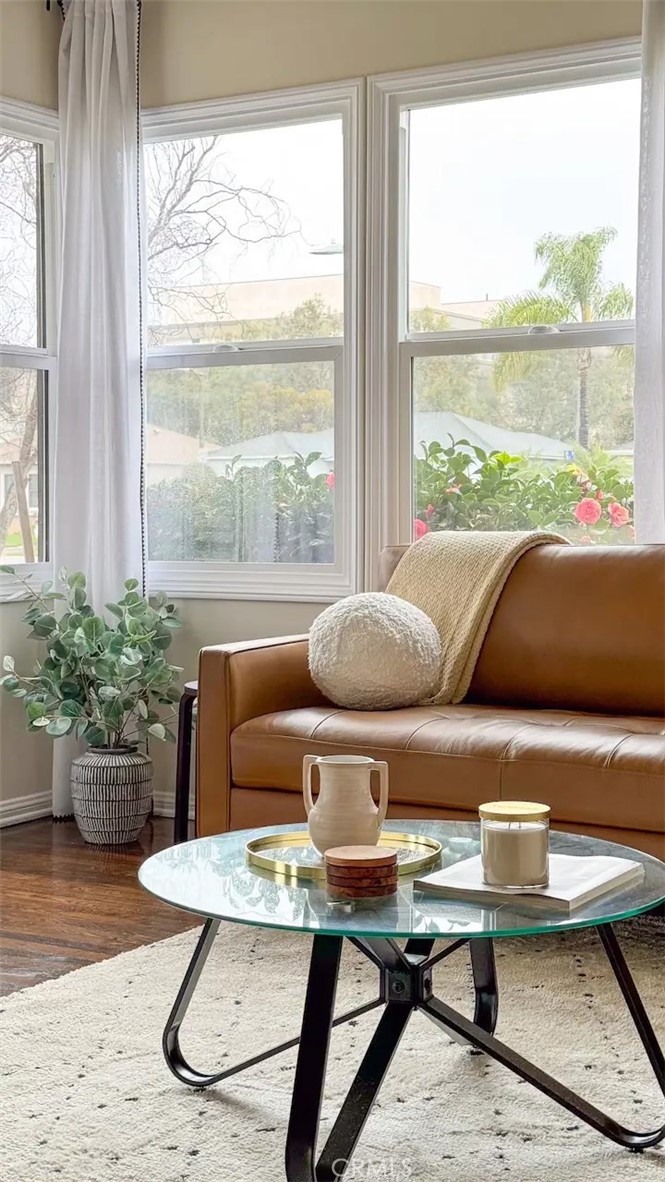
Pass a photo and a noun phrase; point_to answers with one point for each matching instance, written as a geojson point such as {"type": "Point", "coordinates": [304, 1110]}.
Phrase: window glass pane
{"type": "Point", "coordinates": [496, 443]}
{"type": "Point", "coordinates": [20, 270]}
{"type": "Point", "coordinates": [21, 527]}
{"type": "Point", "coordinates": [240, 463]}
{"type": "Point", "coordinates": [523, 208]}
{"type": "Point", "coordinates": [245, 234]}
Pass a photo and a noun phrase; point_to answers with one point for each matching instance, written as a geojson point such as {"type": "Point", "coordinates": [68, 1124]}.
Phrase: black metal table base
{"type": "Point", "coordinates": [405, 977]}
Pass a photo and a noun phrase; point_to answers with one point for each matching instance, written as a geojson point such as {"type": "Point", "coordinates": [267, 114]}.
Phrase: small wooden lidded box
{"type": "Point", "coordinates": [361, 871]}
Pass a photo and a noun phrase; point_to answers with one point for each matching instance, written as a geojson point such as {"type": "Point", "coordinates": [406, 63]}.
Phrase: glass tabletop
{"type": "Point", "coordinates": [210, 877]}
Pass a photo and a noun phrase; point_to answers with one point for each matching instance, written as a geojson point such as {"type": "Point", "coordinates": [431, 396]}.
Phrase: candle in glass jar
{"type": "Point", "coordinates": [514, 842]}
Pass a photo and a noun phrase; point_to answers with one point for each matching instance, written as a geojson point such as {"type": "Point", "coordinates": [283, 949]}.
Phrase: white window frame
{"type": "Point", "coordinates": [287, 581]}
{"type": "Point", "coordinates": [29, 122]}
{"type": "Point", "coordinates": [391, 348]}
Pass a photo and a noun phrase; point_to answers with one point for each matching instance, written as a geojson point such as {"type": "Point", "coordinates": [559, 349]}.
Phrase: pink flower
{"type": "Point", "coordinates": [420, 528]}
{"type": "Point", "coordinates": [587, 512]}
{"type": "Point", "coordinates": [600, 495]}
{"type": "Point", "coordinates": [585, 540]}
{"type": "Point", "coordinates": [453, 488]}
{"type": "Point", "coordinates": [330, 480]}
{"type": "Point", "coordinates": [619, 515]}
{"type": "Point", "coordinates": [429, 510]}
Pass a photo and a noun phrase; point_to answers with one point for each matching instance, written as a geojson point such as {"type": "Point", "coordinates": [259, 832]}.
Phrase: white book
{"type": "Point", "coordinates": [573, 882]}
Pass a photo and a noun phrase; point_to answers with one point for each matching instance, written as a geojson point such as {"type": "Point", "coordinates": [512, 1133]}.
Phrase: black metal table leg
{"type": "Point", "coordinates": [171, 1037]}
{"type": "Point", "coordinates": [312, 1059]}
{"type": "Point", "coordinates": [357, 1106]}
{"type": "Point", "coordinates": [634, 1002]}
{"type": "Point", "coordinates": [183, 762]}
{"type": "Point", "coordinates": [454, 1023]}
{"type": "Point", "coordinates": [484, 981]}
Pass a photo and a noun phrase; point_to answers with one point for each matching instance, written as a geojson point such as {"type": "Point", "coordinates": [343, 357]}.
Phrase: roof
{"type": "Point", "coordinates": [428, 427]}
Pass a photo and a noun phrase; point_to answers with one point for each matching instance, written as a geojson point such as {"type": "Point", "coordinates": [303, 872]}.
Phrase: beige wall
{"type": "Point", "coordinates": [25, 760]}
{"type": "Point", "coordinates": [29, 37]}
{"type": "Point", "coordinates": [205, 49]}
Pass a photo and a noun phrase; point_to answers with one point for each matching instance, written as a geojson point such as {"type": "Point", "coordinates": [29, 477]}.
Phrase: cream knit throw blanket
{"type": "Point", "coordinates": [456, 578]}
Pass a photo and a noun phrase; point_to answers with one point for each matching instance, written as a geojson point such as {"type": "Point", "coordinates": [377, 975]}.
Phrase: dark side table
{"type": "Point", "coordinates": [184, 761]}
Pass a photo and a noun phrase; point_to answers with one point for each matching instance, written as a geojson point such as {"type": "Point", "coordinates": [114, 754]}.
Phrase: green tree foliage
{"type": "Point", "coordinates": [232, 403]}
{"type": "Point", "coordinates": [571, 289]}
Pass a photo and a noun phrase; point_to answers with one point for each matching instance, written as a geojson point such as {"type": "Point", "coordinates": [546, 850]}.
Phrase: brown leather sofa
{"type": "Point", "coordinates": [566, 706]}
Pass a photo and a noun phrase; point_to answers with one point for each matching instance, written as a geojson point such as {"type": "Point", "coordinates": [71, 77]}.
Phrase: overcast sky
{"type": "Point", "coordinates": [487, 178]}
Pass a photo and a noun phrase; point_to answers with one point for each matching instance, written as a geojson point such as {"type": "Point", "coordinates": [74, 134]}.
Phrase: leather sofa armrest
{"type": "Point", "coordinates": [237, 682]}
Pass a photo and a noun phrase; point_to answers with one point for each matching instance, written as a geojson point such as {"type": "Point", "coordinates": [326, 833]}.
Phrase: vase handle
{"type": "Point", "coordinates": [307, 764]}
{"type": "Point", "coordinates": [381, 767]}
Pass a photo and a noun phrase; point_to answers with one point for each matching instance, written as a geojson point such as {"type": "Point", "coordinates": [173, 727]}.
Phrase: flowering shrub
{"type": "Point", "coordinates": [281, 513]}
{"type": "Point", "coordinates": [463, 487]}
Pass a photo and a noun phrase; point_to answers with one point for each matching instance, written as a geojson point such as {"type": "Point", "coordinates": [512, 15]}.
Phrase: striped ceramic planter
{"type": "Point", "coordinates": [111, 793]}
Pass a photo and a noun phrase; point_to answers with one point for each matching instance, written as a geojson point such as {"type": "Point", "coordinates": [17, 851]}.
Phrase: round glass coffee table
{"type": "Point", "coordinates": [210, 877]}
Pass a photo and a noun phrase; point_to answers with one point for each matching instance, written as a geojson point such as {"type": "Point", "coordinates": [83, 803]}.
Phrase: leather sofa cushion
{"type": "Point", "coordinates": [583, 765]}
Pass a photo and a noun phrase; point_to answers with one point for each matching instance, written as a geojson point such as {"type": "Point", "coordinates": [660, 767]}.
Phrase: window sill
{"type": "Point", "coordinates": [12, 590]}
{"type": "Point", "coordinates": [252, 581]}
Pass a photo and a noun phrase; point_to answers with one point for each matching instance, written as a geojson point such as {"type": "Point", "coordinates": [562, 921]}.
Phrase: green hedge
{"type": "Point", "coordinates": [279, 513]}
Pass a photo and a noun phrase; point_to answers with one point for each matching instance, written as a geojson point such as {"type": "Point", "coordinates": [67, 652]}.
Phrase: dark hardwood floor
{"type": "Point", "coordinates": [65, 904]}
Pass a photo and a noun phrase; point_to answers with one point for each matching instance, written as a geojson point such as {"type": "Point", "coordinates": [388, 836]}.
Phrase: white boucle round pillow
{"type": "Point", "coordinates": [374, 652]}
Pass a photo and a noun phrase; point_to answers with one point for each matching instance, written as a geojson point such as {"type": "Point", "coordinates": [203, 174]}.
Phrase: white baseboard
{"type": "Point", "coordinates": [163, 804]}
{"type": "Point", "coordinates": [18, 809]}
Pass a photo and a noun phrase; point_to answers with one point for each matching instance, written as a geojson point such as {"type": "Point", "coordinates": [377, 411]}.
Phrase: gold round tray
{"type": "Point", "coordinates": [292, 855]}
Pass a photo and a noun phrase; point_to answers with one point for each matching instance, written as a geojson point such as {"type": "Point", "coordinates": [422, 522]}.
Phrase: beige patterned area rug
{"type": "Point", "coordinates": [87, 1097]}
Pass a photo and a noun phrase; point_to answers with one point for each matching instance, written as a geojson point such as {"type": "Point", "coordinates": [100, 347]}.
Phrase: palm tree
{"type": "Point", "coordinates": [571, 289]}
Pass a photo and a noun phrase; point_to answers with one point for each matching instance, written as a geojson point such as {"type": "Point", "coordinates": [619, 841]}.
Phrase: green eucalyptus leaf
{"type": "Point", "coordinates": [40, 722]}
{"type": "Point", "coordinates": [131, 584]}
{"type": "Point", "coordinates": [77, 579]}
{"type": "Point", "coordinates": [142, 708]}
{"type": "Point", "coordinates": [8, 570]}
{"type": "Point", "coordinates": [115, 609]}
{"type": "Point", "coordinates": [112, 714]}
{"type": "Point", "coordinates": [93, 628]}
{"type": "Point", "coordinates": [70, 709]}
{"type": "Point", "coordinates": [157, 730]}
{"type": "Point", "coordinates": [58, 727]}
{"type": "Point", "coordinates": [108, 693]}
{"type": "Point", "coordinates": [8, 663]}
{"type": "Point", "coordinates": [45, 625]}
{"type": "Point", "coordinates": [95, 735]}
{"type": "Point", "coordinates": [78, 598]}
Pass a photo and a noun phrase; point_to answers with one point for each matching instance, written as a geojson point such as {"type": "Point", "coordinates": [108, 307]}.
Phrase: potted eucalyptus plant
{"type": "Point", "coordinates": [105, 681]}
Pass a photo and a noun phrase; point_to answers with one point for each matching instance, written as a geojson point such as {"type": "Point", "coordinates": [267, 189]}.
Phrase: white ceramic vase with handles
{"type": "Point", "coordinates": [344, 812]}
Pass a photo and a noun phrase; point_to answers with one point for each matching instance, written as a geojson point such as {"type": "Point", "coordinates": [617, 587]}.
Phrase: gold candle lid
{"type": "Point", "coordinates": [514, 810]}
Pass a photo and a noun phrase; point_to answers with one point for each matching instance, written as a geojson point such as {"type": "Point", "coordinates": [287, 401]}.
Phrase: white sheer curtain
{"type": "Point", "coordinates": [650, 305]}
{"type": "Point", "coordinates": [98, 525]}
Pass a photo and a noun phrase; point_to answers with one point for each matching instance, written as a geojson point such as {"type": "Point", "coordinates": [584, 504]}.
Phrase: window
{"type": "Point", "coordinates": [251, 391]}
{"type": "Point", "coordinates": [508, 226]}
{"type": "Point", "coordinates": [27, 366]}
